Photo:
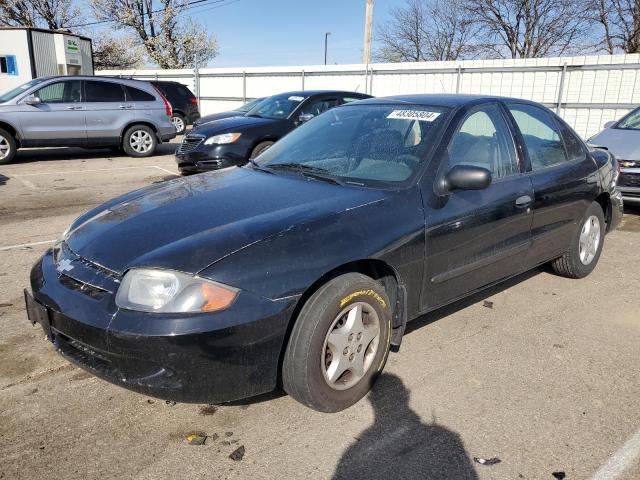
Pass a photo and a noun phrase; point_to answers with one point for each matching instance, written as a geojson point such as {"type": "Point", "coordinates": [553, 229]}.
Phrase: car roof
{"type": "Point", "coordinates": [309, 93]}
{"type": "Point", "coordinates": [92, 77]}
{"type": "Point", "coordinates": [440, 100]}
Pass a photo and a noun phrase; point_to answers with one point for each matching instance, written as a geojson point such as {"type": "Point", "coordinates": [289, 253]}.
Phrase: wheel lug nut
{"type": "Point", "coordinates": [359, 336]}
{"type": "Point", "coordinates": [351, 337]}
{"type": "Point", "coordinates": [359, 348]}
{"type": "Point", "coordinates": [346, 351]}
{"type": "Point", "coordinates": [351, 357]}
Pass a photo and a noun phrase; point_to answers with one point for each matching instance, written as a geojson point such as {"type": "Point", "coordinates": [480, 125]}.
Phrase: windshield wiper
{"type": "Point", "coordinates": [255, 166]}
{"type": "Point", "coordinates": [307, 170]}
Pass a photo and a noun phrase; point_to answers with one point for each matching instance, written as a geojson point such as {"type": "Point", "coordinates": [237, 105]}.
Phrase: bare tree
{"type": "Point", "coordinates": [423, 30]}
{"type": "Point", "coordinates": [52, 14]}
{"type": "Point", "coordinates": [111, 53]}
{"type": "Point", "coordinates": [168, 41]}
{"type": "Point", "coordinates": [620, 22]}
{"type": "Point", "coordinates": [530, 28]}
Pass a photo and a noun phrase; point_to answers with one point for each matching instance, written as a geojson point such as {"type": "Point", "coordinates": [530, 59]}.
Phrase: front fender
{"type": "Point", "coordinates": [288, 263]}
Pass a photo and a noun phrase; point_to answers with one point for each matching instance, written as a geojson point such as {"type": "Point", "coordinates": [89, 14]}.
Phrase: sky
{"type": "Point", "coordinates": [287, 32]}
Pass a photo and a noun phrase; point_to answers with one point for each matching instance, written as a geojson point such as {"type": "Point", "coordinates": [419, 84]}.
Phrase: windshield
{"type": "Point", "coordinates": [631, 121]}
{"type": "Point", "coordinates": [11, 94]}
{"type": "Point", "coordinates": [249, 105]}
{"type": "Point", "coordinates": [276, 107]}
{"type": "Point", "coordinates": [363, 144]}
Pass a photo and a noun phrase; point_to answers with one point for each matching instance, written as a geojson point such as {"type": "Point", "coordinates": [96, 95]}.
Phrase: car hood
{"type": "Point", "coordinates": [624, 144]}
{"type": "Point", "coordinates": [189, 223]}
{"type": "Point", "coordinates": [218, 116]}
{"type": "Point", "coordinates": [231, 123]}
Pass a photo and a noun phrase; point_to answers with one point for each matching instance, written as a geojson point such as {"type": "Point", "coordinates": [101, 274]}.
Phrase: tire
{"type": "Point", "coordinates": [179, 123]}
{"type": "Point", "coordinates": [139, 141]}
{"type": "Point", "coordinates": [308, 372]}
{"type": "Point", "coordinates": [258, 149]}
{"type": "Point", "coordinates": [8, 147]}
{"type": "Point", "coordinates": [583, 253]}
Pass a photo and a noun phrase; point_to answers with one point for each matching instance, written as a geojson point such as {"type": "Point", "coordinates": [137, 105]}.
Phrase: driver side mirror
{"type": "Point", "coordinates": [609, 124]}
{"type": "Point", "coordinates": [467, 177]}
{"type": "Point", "coordinates": [33, 100]}
{"type": "Point", "coordinates": [305, 117]}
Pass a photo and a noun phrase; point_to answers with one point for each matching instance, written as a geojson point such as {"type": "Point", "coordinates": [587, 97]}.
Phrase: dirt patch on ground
{"type": "Point", "coordinates": [13, 361]}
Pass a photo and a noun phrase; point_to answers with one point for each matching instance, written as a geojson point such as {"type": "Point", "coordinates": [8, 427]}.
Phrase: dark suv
{"type": "Point", "coordinates": [183, 102]}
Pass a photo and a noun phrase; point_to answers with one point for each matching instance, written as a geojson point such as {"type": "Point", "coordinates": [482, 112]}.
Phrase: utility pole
{"type": "Point", "coordinates": [326, 36]}
{"type": "Point", "coordinates": [368, 30]}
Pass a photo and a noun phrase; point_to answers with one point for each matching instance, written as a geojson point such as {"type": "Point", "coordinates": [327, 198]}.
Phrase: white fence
{"type": "Point", "coordinates": [585, 91]}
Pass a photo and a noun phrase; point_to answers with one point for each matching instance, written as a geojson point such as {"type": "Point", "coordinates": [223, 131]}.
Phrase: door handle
{"type": "Point", "coordinates": [123, 107]}
{"type": "Point", "coordinates": [523, 201]}
{"type": "Point", "coordinates": [74, 108]}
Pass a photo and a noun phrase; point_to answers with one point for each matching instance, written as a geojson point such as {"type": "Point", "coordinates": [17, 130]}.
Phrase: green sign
{"type": "Point", "coordinates": [72, 45]}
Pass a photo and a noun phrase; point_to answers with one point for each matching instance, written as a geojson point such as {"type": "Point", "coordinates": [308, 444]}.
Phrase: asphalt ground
{"type": "Point", "coordinates": [542, 373]}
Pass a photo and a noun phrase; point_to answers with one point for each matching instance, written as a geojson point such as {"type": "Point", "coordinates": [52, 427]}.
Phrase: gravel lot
{"type": "Point", "coordinates": [547, 380]}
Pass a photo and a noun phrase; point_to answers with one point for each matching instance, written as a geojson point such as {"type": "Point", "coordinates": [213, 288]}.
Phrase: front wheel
{"type": "Point", "coordinates": [339, 343]}
{"type": "Point", "coordinates": [139, 141]}
{"type": "Point", "coordinates": [586, 246]}
{"type": "Point", "coordinates": [8, 147]}
{"type": "Point", "coordinates": [258, 149]}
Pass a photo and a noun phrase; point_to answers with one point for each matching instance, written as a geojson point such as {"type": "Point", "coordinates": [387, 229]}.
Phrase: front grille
{"type": "Point", "coordinates": [190, 143]}
{"type": "Point", "coordinates": [78, 273]}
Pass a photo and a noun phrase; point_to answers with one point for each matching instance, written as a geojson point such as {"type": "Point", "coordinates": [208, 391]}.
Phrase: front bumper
{"type": "Point", "coordinates": [198, 358]}
{"type": "Point", "coordinates": [629, 185]}
{"type": "Point", "coordinates": [194, 156]}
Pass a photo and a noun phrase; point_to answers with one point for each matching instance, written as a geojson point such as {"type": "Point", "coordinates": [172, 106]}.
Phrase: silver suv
{"type": "Point", "coordinates": [77, 111]}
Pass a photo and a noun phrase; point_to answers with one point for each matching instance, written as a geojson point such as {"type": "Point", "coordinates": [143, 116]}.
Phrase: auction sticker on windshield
{"type": "Point", "coordinates": [295, 98]}
{"type": "Point", "coordinates": [422, 115]}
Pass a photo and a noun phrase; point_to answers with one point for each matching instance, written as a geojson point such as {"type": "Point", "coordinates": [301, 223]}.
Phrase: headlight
{"type": "Point", "coordinates": [222, 139]}
{"type": "Point", "coordinates": [164, 291]}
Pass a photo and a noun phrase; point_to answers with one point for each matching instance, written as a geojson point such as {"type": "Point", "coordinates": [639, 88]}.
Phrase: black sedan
{"type": "Point", "coordinates": [235, 140]}
{"type": "Point", "coordinates": [303, 268]}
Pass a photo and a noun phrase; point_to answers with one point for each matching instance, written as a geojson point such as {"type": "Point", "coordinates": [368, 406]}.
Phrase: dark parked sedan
{"type": "Point", "coordinates": [236, 140]}
{"type": "Point", "coordinates": [304, 267]}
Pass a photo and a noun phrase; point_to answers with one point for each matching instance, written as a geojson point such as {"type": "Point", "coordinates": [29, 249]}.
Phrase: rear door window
{"type": "Point", "coordinates": [103, 92]}
{"type": "Point", "coordinates": [541, 135]}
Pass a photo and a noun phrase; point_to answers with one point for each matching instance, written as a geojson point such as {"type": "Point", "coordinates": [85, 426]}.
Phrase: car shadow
{"type": "Point", "coordinates": [3, 180]}
{"type": "Point", "coordinates": [454, 307]}
{"type": "Point", "coordinates": [73, 153]}
{"type": "Point", "coordinates": [400, 445]}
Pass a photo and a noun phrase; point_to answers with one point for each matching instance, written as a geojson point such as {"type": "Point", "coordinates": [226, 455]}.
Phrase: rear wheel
{"type": "Point", "coordinates": [8, 147]}
{"type": "Point", "coordinates": [179, 123]}
{"type": "Point", "coordinates": [261, 147]}
{"type": "Point", "coordinates": [139, 141]}
{"type": "Point", "coordinates": [339, 343]}
{"type": "Point", "coordinates": [586, 245]}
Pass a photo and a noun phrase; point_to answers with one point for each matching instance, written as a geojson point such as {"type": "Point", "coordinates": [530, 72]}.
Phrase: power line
{"type": "Point", "coordinates": [189, 4]}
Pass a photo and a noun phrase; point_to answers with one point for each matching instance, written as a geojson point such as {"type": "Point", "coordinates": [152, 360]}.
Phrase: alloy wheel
{"type": "Point", "coordinates": [141, 141]}
{"type": "Point", "coordinates": [5, 148]}
{"type": "Point", "coordinates": [178, 123]}
{"type": "Point", "coordinates": [350, 346]}
{"type": "Point", "coordinates": [589, 240]}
